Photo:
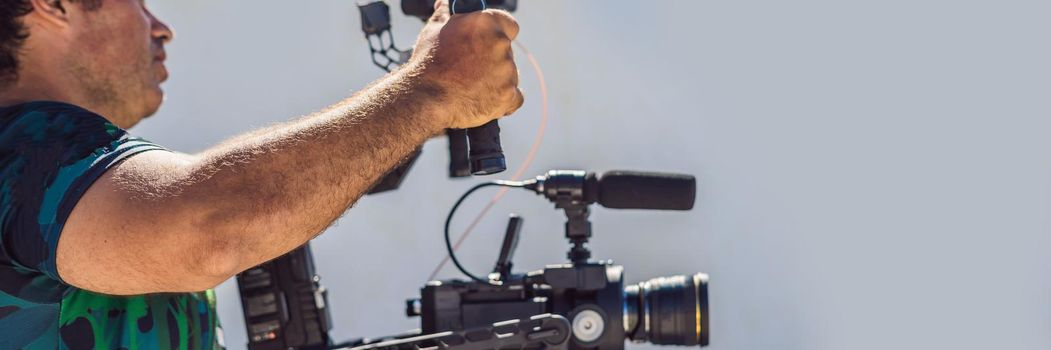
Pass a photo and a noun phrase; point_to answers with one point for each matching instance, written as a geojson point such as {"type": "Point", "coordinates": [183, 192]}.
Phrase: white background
{"type": "Point", "coordinates": [873, 174]}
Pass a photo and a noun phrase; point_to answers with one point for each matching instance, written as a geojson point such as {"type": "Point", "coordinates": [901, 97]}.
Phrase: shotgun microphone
{"type": "Point", "coordinates": [619, 189]}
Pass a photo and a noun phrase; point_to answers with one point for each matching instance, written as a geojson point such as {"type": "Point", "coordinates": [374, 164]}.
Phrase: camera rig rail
{"type": "Point", "coordinates": [545, 331]}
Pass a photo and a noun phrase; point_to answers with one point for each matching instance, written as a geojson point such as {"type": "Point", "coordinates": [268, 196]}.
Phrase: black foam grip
{"type": "Point", "coordinates": [465, 6]}
{"type": "Point", "coordinates": [647, 190]}
{"type": "Point", "coordinates": [487, 156]}
{"type": "Point", "coordinates": [422, 9]}
{"type": "Point", "coordinates": [459, 163]}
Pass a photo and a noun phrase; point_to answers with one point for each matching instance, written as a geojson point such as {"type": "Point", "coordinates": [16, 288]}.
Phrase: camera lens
{"type": "Point", "coordinates": [668, 311]}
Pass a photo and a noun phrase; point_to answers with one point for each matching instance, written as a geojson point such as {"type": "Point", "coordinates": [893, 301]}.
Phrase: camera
{"type": "Point", "coordinates": [581, 304]}
{"type": "Point", "coordinates": [602, 310]}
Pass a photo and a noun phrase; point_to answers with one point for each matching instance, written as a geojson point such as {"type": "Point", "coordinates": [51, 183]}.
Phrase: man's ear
{"type": "Point", "coordinates": [50, 10]}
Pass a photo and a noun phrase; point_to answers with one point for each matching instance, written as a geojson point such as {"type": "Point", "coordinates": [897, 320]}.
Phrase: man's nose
{"type": "Point", "coordinates": [161, 30]}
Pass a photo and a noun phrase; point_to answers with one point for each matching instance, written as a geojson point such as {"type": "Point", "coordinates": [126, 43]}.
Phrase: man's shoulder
{"type": "Point", "coordinates": [35, 123]}
{"type": "Point", "coordinates": [50, 154]}
{"type": "Point", "coordinates": [54, 139]}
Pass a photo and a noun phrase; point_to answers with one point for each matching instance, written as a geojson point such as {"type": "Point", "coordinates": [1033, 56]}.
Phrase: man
{"type": "Point", "coordinates": [107, 241]}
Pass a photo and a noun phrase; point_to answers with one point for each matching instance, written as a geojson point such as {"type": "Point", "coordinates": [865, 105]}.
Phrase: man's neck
{"type": "Point", "coordinates": [30, 86]}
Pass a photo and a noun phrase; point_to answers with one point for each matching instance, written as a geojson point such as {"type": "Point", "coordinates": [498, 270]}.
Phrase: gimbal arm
{"type": "Point", "coordinates": [547, 331]}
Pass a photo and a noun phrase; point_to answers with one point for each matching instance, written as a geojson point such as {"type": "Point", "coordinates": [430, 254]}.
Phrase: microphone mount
{"type": "Point", "coordinates": [578, 231]}
{"type": "Point", "coordinates": [566, 188]}
{"type": "Point", "coordinates": [572, 191]}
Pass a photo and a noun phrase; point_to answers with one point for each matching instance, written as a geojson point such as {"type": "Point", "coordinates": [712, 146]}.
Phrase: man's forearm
{"type": "Point", "coordinates": [272, 190]}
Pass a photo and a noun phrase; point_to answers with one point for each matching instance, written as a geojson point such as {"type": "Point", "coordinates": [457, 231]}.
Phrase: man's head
{"type": "Point", "coordinates": [104, 55]}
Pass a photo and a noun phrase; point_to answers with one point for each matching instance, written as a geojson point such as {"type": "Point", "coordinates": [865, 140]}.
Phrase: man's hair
{"type": "Point", "coordinates": [13, 33]}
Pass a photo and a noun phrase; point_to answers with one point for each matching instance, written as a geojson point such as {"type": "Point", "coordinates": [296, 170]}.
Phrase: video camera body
{"type": "Point", "coordinates": [603, 313]}
{"type": "Point", "coordinates": [565, 289]}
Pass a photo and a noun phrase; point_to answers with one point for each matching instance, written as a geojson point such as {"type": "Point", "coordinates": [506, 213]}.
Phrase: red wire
{"type": "Point", "coordinates": [521, 168]}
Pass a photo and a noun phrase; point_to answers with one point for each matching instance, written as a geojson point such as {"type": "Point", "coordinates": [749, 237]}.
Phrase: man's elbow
{"type": "Point", "coordinates": [212, 243]}
{"type": "Point", "coordinates": [211, 264]}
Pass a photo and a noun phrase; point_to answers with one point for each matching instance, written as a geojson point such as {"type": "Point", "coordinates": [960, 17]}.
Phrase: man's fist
{"type": "Point", "coordinates": [468, 57]}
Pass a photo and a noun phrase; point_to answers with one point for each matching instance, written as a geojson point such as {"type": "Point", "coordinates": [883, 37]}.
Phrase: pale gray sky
{"type": "Point", "coordinates": [873, 174]}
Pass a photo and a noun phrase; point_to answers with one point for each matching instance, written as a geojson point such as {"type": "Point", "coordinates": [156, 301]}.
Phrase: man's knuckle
{"type": "Point", "coordinates": [512, 74]}
{"type": "Point", "coordinates": [501, 15]}
{"type": "Point", "coordinates": [508, 22]}
{"type": "Point", "coordinates": [502, 42]}
{"type": "Point", "coordinates": [508, 94]}
{"type": "Point", "coordinates": [520, 100]}
{"type": "Point", "coordinates": [517, 103]}
{"type": "Point", "coordinates": [513, 24]}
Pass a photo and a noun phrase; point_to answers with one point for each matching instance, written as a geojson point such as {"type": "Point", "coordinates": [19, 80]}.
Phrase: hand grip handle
{"type": "Point", "coordinates": [459, 162]}
{"type": "Point", "coordinates": [486, 154]}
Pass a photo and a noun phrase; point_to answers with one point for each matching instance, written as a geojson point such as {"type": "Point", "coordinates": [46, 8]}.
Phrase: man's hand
{"type": "Point", "coordinates": [468, 58]}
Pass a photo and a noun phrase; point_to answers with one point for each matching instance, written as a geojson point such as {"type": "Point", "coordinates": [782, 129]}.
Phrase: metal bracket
{"type": "Point", "coordinates": [547, 331]}
{"type": "Point", "coordinates": [375, 22]}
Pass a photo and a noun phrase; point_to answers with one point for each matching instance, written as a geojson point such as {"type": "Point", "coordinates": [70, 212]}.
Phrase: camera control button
{"type": "Point", "coordinates": [588, 326]}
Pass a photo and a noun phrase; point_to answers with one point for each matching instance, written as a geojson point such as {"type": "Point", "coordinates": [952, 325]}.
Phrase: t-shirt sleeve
{"type": "Point", "coordinates": [51, 154]}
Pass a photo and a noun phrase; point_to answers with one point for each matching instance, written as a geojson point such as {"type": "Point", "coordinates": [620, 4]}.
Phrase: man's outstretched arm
{"type": "Point", "coordinates": [165, 222]}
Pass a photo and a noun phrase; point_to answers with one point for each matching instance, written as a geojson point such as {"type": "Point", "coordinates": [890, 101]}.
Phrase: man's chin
{"type": "Point", "coordinates": [155, 100]}
{"type": "Point", "coordinates": [151, 111]}
{"type": "Point", "coordinates": [151, 104]}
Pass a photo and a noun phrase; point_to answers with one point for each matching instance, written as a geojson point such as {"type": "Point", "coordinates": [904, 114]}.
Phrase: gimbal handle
{"type": "Point", "coordinates": [474, 151]}
{"type": "Point", "coordinates": [486, 154]}
{"type": "Point", "coordinates": [548, 331]}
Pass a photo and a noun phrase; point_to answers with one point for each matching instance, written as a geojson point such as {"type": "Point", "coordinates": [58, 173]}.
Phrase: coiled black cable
{"type": "Point", "coordinates": [449, 219]}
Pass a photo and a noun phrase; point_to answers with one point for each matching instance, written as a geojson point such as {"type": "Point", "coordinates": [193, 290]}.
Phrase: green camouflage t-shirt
{"type": "Point", "coordinates": [50, 154]}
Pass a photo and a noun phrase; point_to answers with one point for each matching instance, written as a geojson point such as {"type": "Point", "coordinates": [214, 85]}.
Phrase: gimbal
{"type": "Point", "coordinates": [578, 305]}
